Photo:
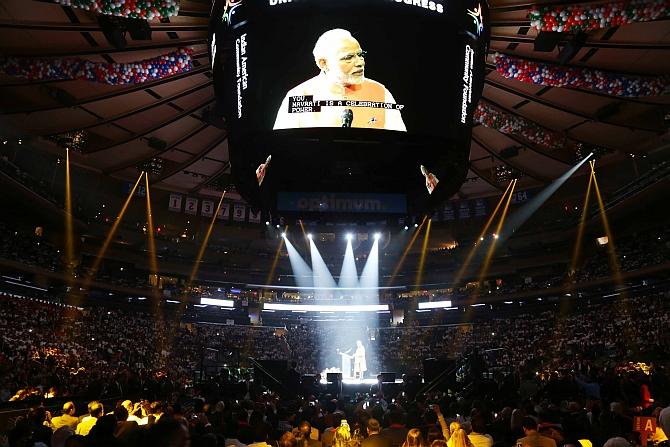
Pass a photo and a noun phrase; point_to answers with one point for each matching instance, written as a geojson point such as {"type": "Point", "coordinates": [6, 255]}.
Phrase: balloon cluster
{"type": "Point", "coordinates": [133, 9]}
{"type": "Point", "coordinates": [39, 69]}
{"type": "Point", "coordinates": [491, 117]}
{"type": "Point", "coordinates": [553, 75]}
{"type": "Point", "coordinates": [563, 18]}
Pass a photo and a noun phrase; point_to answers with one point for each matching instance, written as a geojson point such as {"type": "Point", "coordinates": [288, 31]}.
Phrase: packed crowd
{"type": "Point", "coordinates": [59, 350]}
{"type": "Point", "coordinates": [560, 412]}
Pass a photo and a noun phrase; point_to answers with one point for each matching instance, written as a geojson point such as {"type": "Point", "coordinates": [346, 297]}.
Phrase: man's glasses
{"type": "Point", "coordinates": [350, 57]}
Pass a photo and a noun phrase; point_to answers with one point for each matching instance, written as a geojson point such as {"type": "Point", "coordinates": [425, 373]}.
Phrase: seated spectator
{"type": "Point", "coordinates": [478, 436]}
{"type": "Point", "coordinates": [102, 433]}
{"type": "Point", "coordinates": [168, 433]}
{"type": "Point", "coordinates": [95, 411]}
{"type": "Point", "coordinates": [60, 436]}
{"type": "Point", "coordinates": [533, 438]}
{"type": "Point", "coordinates": [66, 419]}
{"type": "Point", "coordinates": [288, 440]}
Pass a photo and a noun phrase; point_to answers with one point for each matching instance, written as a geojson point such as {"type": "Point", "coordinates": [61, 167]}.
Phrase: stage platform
{"type": "Point", "coordinates": [350, 381]}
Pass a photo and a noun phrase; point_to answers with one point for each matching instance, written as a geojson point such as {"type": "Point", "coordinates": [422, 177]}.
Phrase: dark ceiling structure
{"type": "Point", "coordinates": [168, 119]}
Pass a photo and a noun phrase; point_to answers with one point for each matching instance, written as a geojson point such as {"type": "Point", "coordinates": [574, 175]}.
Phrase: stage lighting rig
{"type": "Point", "coordinates": [584, 149]}
{"type": "Point", "coordinates": [503, 173]}
{"type": "Point", "coordinates": [153, 167]}
{"type": "Point", "coordinates": [75, 140]}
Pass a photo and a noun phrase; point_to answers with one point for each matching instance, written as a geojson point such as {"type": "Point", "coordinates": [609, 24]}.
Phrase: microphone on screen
{"type": "Point", "coordinates": [347, 117]}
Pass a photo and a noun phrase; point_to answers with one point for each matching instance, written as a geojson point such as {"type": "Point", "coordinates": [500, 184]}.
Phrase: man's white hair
{"type": "Point", "coordinates": [324, 44]}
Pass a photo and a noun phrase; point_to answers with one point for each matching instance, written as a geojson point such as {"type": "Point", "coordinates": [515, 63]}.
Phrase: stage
{"type": "Point", "coordinates": [352, 381]}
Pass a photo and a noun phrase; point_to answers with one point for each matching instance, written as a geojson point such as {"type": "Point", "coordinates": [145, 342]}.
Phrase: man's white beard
{"type": "Point", "coordinates": [346, 79]}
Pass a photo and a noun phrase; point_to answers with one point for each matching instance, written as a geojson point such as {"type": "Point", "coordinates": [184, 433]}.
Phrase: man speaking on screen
{"type": "Point", "coordinates": [340, 84]}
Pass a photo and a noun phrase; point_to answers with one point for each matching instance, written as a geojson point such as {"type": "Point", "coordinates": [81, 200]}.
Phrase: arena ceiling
{"type": "Point", "coordinates": [126, 126]}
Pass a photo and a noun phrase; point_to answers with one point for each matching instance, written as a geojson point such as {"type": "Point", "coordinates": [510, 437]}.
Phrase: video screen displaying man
{"type": "Point", "coordinates": [341, 95]}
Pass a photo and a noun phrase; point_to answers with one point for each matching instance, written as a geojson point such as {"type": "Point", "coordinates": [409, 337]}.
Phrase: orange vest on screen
{"type": "Point", "coordinates": [331, 116]}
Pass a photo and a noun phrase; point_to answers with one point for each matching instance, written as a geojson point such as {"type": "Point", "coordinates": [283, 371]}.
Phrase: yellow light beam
{"type": "Point", "coordinates": [422, 259]}
{"type": "Point", "coordinates": [473, 250]}
{"type": "Point", "coordinates": [564, 307]}
{"type": "Point", "coordinates": [198, 259]}
{"type": "Point", "coordinates": [611, 248]}
{"type": "Point", "coordinates": [405, 252]}
{"type": "Point", "coordinates": [582, 223]}
{"type": "Point", "coordinates": [489, 254]}
{"type": "Point", "coordinates": [271, 274]}
{"type": "Point", "coordinates": [205, 242]}
{"type": "Point", "coordinates": [69, 236]}
{"type": "Point", "coordinates": [112, 233]}
{"type": "Point", "coordinates": [153, 261]}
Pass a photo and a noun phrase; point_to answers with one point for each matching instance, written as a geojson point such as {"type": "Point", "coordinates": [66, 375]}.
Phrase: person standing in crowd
{"type": "Point", "coordinates": [375, 439]}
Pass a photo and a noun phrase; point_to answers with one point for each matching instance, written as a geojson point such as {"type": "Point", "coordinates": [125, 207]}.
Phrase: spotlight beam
{"type": "Point", "coordinates": [348, 273]}
{"type": "Point", "coordinates": [153, 260]}
{"type": "Point", "coordinates": [302, 271]}
{"type": "Point", "coordinates": [205, 242]}
{"type": "Point", "coordinates": [522, 215]}
{"type": "Point", "coordinates": [112, 233]}
{"type": "Point", "coordinates": [492, 247]}
{"type": "Point", "coordinates": [69, 234]}
{"type": "Point", "coordinates": [273, 268]}
{"type": "Point", "coordinates": [611, 248]}
{"type": "Point", "coordinates": [370, 276]}
{"type": "Point", "coordinates": [323, 279]}
{"type": "Point", "coordinates": [405, 252]}
{"type": "Point", "coordinates": [582, 224]}
{"type": "Point", "coordinates": [473, 250]}
{"type": "Point", "coordinates": [422, 259]}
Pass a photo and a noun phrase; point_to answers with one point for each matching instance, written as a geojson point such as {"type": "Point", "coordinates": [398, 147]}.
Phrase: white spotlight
{"type": "Point", "coordinates": [309, 236]}
{"type": "Point", "coordinates": [277, 225]}
{"type": "Point", "coordinates": [349, 236]}
{"type": "Point", "coordinates": [377, 236]}
{"type": "Point", "coordinates": [406, 228]}
{"type": "Point", "coordinates": [267, 222]}
{"type": "Point", "coordinates": [283, 235]}
{"type": "Point", "coordinates": [416, 225]}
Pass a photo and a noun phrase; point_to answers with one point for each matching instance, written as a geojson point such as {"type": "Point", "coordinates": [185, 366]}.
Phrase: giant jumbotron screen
{"type": "Point", "coordinates": [363, 96]}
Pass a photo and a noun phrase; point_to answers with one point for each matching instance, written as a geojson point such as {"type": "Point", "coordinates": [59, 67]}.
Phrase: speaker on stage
{"type": "Point", "coordinates": [387, 377]}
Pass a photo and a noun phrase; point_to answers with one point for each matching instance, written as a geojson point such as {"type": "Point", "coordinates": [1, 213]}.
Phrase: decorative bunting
{"type": "Point", "coordinates": [133, 9]}
{"type": "Point", "coordinates": [564, 18]}
{"type": "Point", "coordinates": [553, 75]}
{"type": "Point", "coordinates": [38, 69]}
{"type": "Point", "coordinates": [491, 117]}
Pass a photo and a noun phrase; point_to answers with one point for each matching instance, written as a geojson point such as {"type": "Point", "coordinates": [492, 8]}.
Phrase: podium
{"type": "Point", "coordinates": [346, 365]}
